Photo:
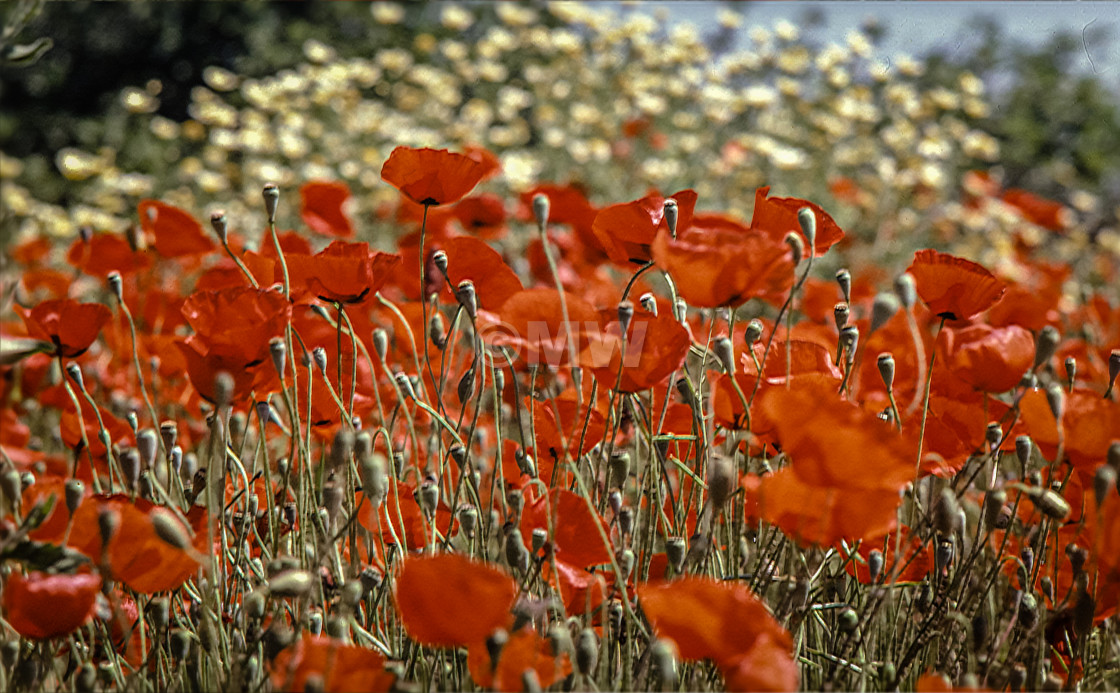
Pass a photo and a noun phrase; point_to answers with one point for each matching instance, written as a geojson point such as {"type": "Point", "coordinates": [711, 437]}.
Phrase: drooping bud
{"type": "Point", "coordinates": [1046, 345]}
{"type": "Point", "coordinates": [721, 481]}
{"type": "Point", "coordinates": [725, 353]}
{"type": "Point", "coordinates": [796, 247]}
{"type": "Point", "coordinates": [886, 369]}
{"type": "Point", "coordinates": [844, 279]}
{"type": "Point", "coordinates": [906, 290]}
{"type": "Point", "coordinates": [625, 316]}
{"type": "Point", "coordinates": [1104, 482]}
{"type": "Point", "coordinates": [671, 215]}
{"type": "Point", "coordinates": [218, 223]}
{"type": "Point", "coordinates": [437, 331]}
{"type": "Point", "coordinates": [278, 351]}
{"type": "Point", "coordinates": [1056, 398]}
{"type": "Point", "coordinates": [840, 314]}
{"type": "Point", "coordinates": [130, 466]}
{"type": "Point", "coordinates": [587, 651]}
{"type": "Point", "coordinates": [271, 196]}
{"type": "Point", "coordinates": [74, 490]}
{"type": "Point", "coordinates": [753, 332]}
{"type": "Point", "coordinates": [883, 309]}
{"type": "Point", "coordinates": [380, 343]}
{"type": "Point", "coordinates": [541, 205]}
{"type": "Point", "coordinates": [807, 218]}
{"type": "Point", "coordinates": [649, 302]}
{"type": "Point", "coordinates": [75, 373]}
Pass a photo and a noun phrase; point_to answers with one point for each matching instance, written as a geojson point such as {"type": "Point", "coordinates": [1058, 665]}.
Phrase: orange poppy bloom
{"type": "Point", "coordinates": [176, 232]}
{"type": "Point", "coordinates": [777, 216]}
{"type": "Point", "coordinates": [575, 538]}
{"type": "Point", "coordinates": [655, 347]}
{"type": "Point", "coordinates": [67, 324]}
{"type": "Point", "coordinates": [626, 230]}
{"type": "Point", "coordinates": [719, 262]}
{"type": "Point", "coordinates": [321, 208]}
{"type": "Point", "coordinates": [341, 668]}
{"type": "Point", "coordinates": [525, 650]}
{"type": "Point", "coordinates": [343, 272]}
{"type": "Point", "coordinates": [42, 606]}
{"type": "Point", "coordinates": [448, 600]}
{"type": "Point", "coordinates": [989, 359]}
{"type": "Point", "coordinates": [1050, 215]}
{"type": "Point", "coordinates": [433, 176]}
{"type": "Point", "coordinates": [952, 287]}
{"type": "Point", "coordinates": [105, 252]}
{"type": "Point", "coordinates": [470, 258]}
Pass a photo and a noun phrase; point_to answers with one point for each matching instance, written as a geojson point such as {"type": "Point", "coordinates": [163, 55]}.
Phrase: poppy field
{"type": "Point", "coordinates": [679, 408]}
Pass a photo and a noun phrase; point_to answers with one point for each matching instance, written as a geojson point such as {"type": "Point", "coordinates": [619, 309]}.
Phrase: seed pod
{"type": "Point", "coordinates": [847, 620]}
{"type": "Point", "coordinates": [169, 433]}
{"type": "Point", "coordinates": [370, 578]}
{"type": "Point", "coordinates": [74, 490]}
{"type": "Point", "coordinates": [883, 309]}
{"type": "Point", "coordinates": [721, 481]}
{"type": "Point", "coordinates": [1077, 557]}
{"type": "Point", "coordinates": [108, 521]}
{"type": "Point", "coordinates": [515, 499]}
{"type": "Point", "coordinates": [626, 520]}
{"type": "Point", "coordinates": [906, 289]}
{"type": "Point", "coordinates": [291, 583]}
{"type": "Point", "coordinates": [807, 219]}
{"type": "Point", "coordinates": [218, 223]}
{"type": "Point", "coordinates": [271, 196]}
{"type": "Point", "coordinates": [467, 298]}
{"type": "Point", "coordinates": [541, 205]}
{"type": "Point", "coordinates": [725, 354]}
{"type": "Point", "coordinates": [993, 434]}
{"type": "Point", "coordinates": [85, 681]}
{"type": "Point", "coordinates": [517, 556]}
{"type": "Point", "coordinates": [753, 332]}
{"type": "Point", "coordinates": [844, 280]}
{"type": "Point", "coordinates": [994, 501]}
{"type": "Point", "coordinates": [649, 302]}
{"type": "Point", "coordinates": [315, 625]}
{"type": "Point", "coordinates": [380, 343]}
{"type": "Point", "coordinates": [625, 316]}
{"type": "Point", "coordinates": [664, 655]}
{"type": "Point", "coordinates": [1056, 398]}
{"type": "Point", "coordinates": [439, 259]}
{"type": "Point", "coordinates": [1045, 345]}
{"type": "Point", "coordinates": [1023, 447]}
{"type": "Point", "coordinates": [468, 520]}
{"type": "Point", "coordinates": [159, 610]}
{"type": "Point", "coordinates": [181, 641]}
{"type": "Point", "coordinates": [1104, 482]}
{"type": "Point", "coordinates": [538, 538]}
{"type": "Point", "coordinates": [796, 247]}
{"type": "Point", "coordinates": [1050, 503]}
{"type": "Point", "coordinates": [254, 605]}
{"type": "Point", "coordinates": [886, 370]}
{"type": "Point", "coordinates": [619, 468]}
{"type": "Point", "coordinates": [614, 501]}
{"type": "Point", "coordinates": [671, 214]}
{"type": "Point", "coordinates": [75, 372]}
{"type": "Point", "coordinates": [943, 555]}
{"type": "Point", "coordinates": [849, 339]}
{"type": "Point", "coordinates": [875, 565]}
{"type": "Point", "coordinates": [841, 312]}
{"type": "Point", "coordinates": [437, 331]}
{"type": "Point", "coordinates": [675, 549]}
{"type": "Point", "coordinates": [1028, 610]}
{"type": "Point", "coordinates": [587, 651]}
{"type": "Point", "coordinates": [1113, 456]}
{"type": "Point", "coordinates": [1071, 372]}
{"type": "Point", "coordinates": [170, 530]}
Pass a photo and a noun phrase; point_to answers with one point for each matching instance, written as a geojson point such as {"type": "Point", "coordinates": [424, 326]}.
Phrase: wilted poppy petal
{"type": "Point", "coordinates": [42, 606]}
{"type": "Point", "coordinates": [321, 208]}
{"type": "Point", "coordinates": [448, 600]}
{"type": "Point", "coordinates": [952, 287]}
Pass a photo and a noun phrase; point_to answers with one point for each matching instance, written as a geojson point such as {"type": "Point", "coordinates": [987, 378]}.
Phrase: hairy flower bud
{"type": "Point", "coordinates": [467, 298]}
{"type": "Point", "coordinates": [649, 302]}
{"type": "Point", "coordinates": [796, 247]}
{"type": "Point", "coordinates": [439, 259]}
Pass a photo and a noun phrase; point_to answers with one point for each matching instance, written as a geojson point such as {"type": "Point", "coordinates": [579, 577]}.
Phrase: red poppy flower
{"type": "Point", "coordinates": [433, 176]}
{"type": "Point", "coordinates": [241, 319]}
{"type": "Point", "coordinates": [989, 359]}
{"type": "Point", "coordinates": [916, 558]}
{"type": "Point", "coordinates": [176, 232]}
{"type": "Point", "coordinates": [484, 215]}
{"type": "Point", "coordinates": [561, 419]}
{"type": "Point", "coordinates": [417, 530]}
{"type": "Point", "coordinates": [655, 347]}
{"type": "Point", "coordinates": [525, 651]}
{"type": "Point", "coordinates": [1050, 215]}
{"type": "Point", "coordinates": [32, 251]}
{"type": "Point", "coordinates": [575, 538]}
{"type": "Point", "coordinates": [1090, 423]}
{"type": "Point", "coordinates": [470, 258]}
{"type": "Point", "coordinates": [340, 668]}
{"type": "Point", "coordinates": [42, 606]}
{"type": "Point", "coordinates": [321, 208]}
{"type": "Point", "coordinates": [532, 322]}
{"type": "Point", "coordinates": [952, 287]}
{"type": "Point", "coordinates": [725, 623]}
{"type": "Point", "coordinates": [343, 272]}
{"type": "Point", "coordinates": [448, 600]}
{"type": "Point", "coordinates": [626, 230]}
{"type": "Point", "coordinates": [719, 262]}
{"type": "Point", "coordinates": [777, 216]}
{"type": "Point", "coordinates": [67, 324]}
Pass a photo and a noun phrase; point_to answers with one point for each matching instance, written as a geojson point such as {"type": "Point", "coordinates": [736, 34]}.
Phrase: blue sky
{"type": "Point", "coordinates": [920, 27]}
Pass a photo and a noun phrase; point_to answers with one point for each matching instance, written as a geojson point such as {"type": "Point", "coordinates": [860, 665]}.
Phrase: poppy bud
{"type": "Point", "coordinates": [625, 520]}
{"type": "Point", "coordinates": [271, 196]}
{"type": "Point", "coordinates": [945, 512]}
{"type": "Point", "coordinates": [1045, 345]}
{"type": "Point", "coordinates": [223, 389]}
{"type": "Point", "coordinates": [625, 315]}
{"type": "Point", "coordinates": [994, 501]}
{"type": "Point", "coordinates": [1056, 399]}
{"type": "Point", "coordinates": [875, 565]}
{"type": "Point", "coordinates": [725, 353]}
{"type": "Point", "coordinates": [516, 500]}
{"type": "Point", "coordinates": [722, 481]}
{"type": "Point", "coordinates": [680, 310]}
{"type": "Point", "coordinates": [218, 223]}
{"type": "Point", "coordinates": [808, 221]}
{"type": "Point", "coordinates": [169, 529]}
{"type": "Point", "coordinates": [108, 520]}
{"type": "Point", "coordinates": [849, 339]}
{"type": "Point", "coordinates": [886, 370]}
{"type": "Point", "coordinates": [664, 655]}
{"type": "Point", "coordinates": [1077, 557]}
{"type": "Point", "coordinates": [883, 309]}
{"type": "Point", "coordinates": [517, 556]}
{"type": "Point", "coordinates": [439, 259]}
{"type": "Point", "coordinates": [133, 421]}
{"type": "Point", "coordinates": [130, 466]}
{"type": "Point", "coordinates": [291, 583]}
{"type": "Point", "coordinates": [906, 290]}
{"type": "Point", "coordinates": [1028, 610]}
{"type": "Point", "coordinates": [74, 491]}
{"type": "Point", "coordinates": [587, 651]}
{"type": "Point", "coordinates": [1050, 503]}
{"type": "Point", "coordinates": [181, 641]}
{"type": "Point", "coordinates": [315, 625]}
{"type": "Point", "coordinates": [753, 332]}
{"type": "Point", "coordinates": [380, 343]}
{"type": "Point", "coordinates": [1104, 481]}
{"type": "Point", "coordinates": [176, 456]}
{"type": "Point", "coordinates": [614, 500]}
{"type": "Point", "coordinates": [844, 279]}
{"type": "Point", "coordinates": [796, 247]}
{"type": "Point", "coordinates": [541, 206]}
{"type": "Point", "coordinates": [943, 555]}
{"type": "Point", "coordinates": [847, 620]}
{"type": "Point", "coordinates": [75, 372]}
{"type": "Point", "coordinates": [1071, 372]}
{"type": "Point", "coordinates": [537, 539]}
{"type": "Point", "coordinates": [437, 331]}
{"type": "Point", "coordinates": [115, 284]}
{"type": "Point", "coordinates": [1023, 447]}
{"type": "Point", "coordinates": [375, 478]}
{"type": "Point", "coordinates": [11, 485]}
{"type": "Point", "coordinates": [675, 548]}
{"type": "Point", "coordinates": [169, 432]}
{"type": "Point", "coordinates": [619, 468]}
{"type": "Point", "coordinates": [1113, 370]}
{"type": "Point", "coordinates": [993, 434]}
{"type": "Point", "coordinates": [148, 445]}
{"type": "Point", "coordinates": [429, 497]}
{"type": "Point", "coordinates": [672, 213]}
{"type": "Point", "coordinates": [467, 298]}
{"type": "Point", "coordinates": [840, 314]}
{"type": "Point", "coordinates": [468, 520]}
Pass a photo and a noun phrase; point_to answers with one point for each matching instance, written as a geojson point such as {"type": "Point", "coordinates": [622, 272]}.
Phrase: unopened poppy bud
{"type": "Point", "coordinates": [796, 247]}
{"type": "Point", "coordinates": [181, 641]}
{"type": "Point", "coordinates": [429, 497]}
{"type": "Point", "coordinates": [587, 651]}
{"type": "Point", "coordinates": [619, 468]}
{"type": "Point", "coordinates": [945, 512]}
{"type": "Point", "coordinates": [994, 501]}
{"type": "Point", "coordinates": [499, 380]}
{"type": "Point", "coordinates": [722, 481]}
{"type": "Point", "coordinates": [439, 259]}
{"type": "Point", "coordinates": [840, 314]}
{"type": "Point", "coordinates": [380, 343]}
{"type": "Point", "coordinates": [680, 310]}
{"type": "Point", "coordinates": [541, 206]}
{"type": "Point", "coordinates": [753, 332]}
{"type": "Point", "coordinates": [467, 298]}
{"type": "Point", "coordinates": [807, 218]}
{"type": "Point", "coordinates": [133, 422]}
{"type": "Point", "coordinates": [1028, 610]}
{"type": "Point", "coordinates": [725, 353]}
{"type": "Point", "coordinates": [468, 520]}
{"type": "Point", "coordinates": [1051, 504]}
{"type": "Point", "coordinates": [254, 605]}
{"type": "Point", "coordinates": [271, 196]}
{"type": "Point", "coordinates": [614, 501]}
{"type": "Point", "coordinates": [883, 309]}
{"type": "Point", "coordinates": [375, 478]}
{"type": "Point", "coordinates": [1023, 448]}
{"type": "Point", "coordinates": [405, 385]}
{"type": "Point", "coordinates": [875, 565]}
{"type": "Point", "coordinates": [672, 213]}
{"type": "Point", "coordinates": [517, 556]}
{"type": "Point", "coordinates": [625, 520]}
{"type": "Point", "coordinates": [993, 434]}
{"type": "Point", "coordinates": [1113, 455]}
{"type": "Point", "coordinates": [75, 373]}
{"type": "Point", "coordinates": [75, 490]}
{"type": "Point", "coordinates": [1077, 557]}
{"type": "Point", "coordinates": [943, 555]}
{"type": "Point", "coordinates": [218, 223]}
{"type": "Point", "coordinates": [437, 331]}
{"type": "Point", "coordinates": [130, 466]}
{"type": "Point", "coordinates": [1104, 482]}
{"type": "Point", "coordinates": [625, 315]}
{"type": "Point", "coordinates": [849, 339]}
{"type": "Point", "coordinates": [675, 549]}
{"type": "Point", "coordinates": [649, 302]}
{"type": "Point", "coordinates": [223, 389]}
{"type": "Point", "coordinates": [847, 620]}
{"type": "Point", "coordinates": [108, 520]}
{"type": "Point", "coordinates": [176, 456]}
{"type": "Point", "coordinates": [1056, 398]}
{"type": "Point", "coordinates": [538, 538]}
{"type": "Point", "coordinates": [1071, 372]}
{"type": "Point", "coordinates": [1046, 345]}
{"type": "Point", "coordinates": [315, 682]}
{"type": "Point", "coordinates": [906, 290]}
{"type": "Point", "coordinates": [664, 655]}
{"type": "Point", "coordinates": [291, 583]}
{"type": "Point", "coordinates": [170, 530]}
{"type": "Point", "coordinates": [844, 280]}
{"type": "Point", "coordinates": [279, 353]}
{"type": "Point", "coordinates": [116, 285]}
{"type": "Point", "coordinates": [515, 499]}
{"type": "Point", "coordinates": [886, 370]}
{"type": "Point", "coordinates": [148, 445]}
{"type": "Point", "coordinates": [320, 356]}
{"type": "Point", "coordinates": [459, 454]}
{"type": "Point", "coordinates": [1113, 370]}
